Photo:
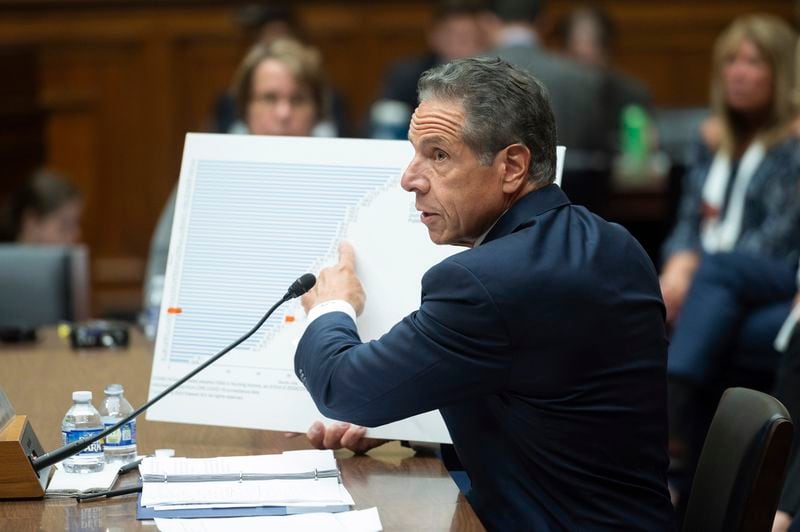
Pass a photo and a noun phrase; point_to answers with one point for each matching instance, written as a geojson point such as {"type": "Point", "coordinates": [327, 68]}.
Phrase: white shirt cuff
{"type": "Point", "coordinates": [334, 305]}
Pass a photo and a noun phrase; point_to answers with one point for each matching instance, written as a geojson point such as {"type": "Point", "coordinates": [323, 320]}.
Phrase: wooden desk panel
{"type": "Point", "coordinates": [411, 493]}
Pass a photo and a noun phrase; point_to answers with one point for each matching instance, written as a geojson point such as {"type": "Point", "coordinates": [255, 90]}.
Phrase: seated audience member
{"type": "Point", "coordinates": [587, 36]}
{"type": "Point", "coordinates": [557, 430]}
{"type": "Point", "coordinates": [45, 210]}
{"type": "Point", "coordinates": [456, 33]}
{"type": "Point", "coordinates": [738, 195]}
{"type": "Point", "coordinates": [264, 24]}
{"type": "Point", "coordinates": [734, 249]}
{"type": "Point", "coordinates": [278, 90]}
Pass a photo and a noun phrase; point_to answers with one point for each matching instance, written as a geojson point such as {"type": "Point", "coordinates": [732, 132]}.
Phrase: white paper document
{"type": "Point", "coordinates": [294, 478]}
{"type": "Point", "coordinates": [320, 492]}
{"type": "Point", "coordinates": [253, 213]}
{"type": "Point", "coordinates": [291, 465]}
{"type": "Point", "coordinates": [355, 521]}
{"type": "Point", "coordinates": [64, 484]}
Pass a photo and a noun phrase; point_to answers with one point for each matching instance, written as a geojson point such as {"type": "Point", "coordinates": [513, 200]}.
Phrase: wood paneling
{"type": "Point", "coordinates": [116, 85]}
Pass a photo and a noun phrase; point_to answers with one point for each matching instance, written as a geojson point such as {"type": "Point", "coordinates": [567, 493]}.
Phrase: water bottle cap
{"type": "Point", "coordinates": [114, 389]}
{"type": "Point", "coordinates": [82, 396]}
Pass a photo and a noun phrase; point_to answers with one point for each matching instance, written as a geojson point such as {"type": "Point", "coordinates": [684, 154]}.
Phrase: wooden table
{"type": "Point", "coordinates": [411, 493]}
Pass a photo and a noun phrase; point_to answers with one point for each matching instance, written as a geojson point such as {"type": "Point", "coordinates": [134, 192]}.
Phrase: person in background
{"type": "Point", "coordinates": [575, 89]}
{"type": "Point", "coordinates": [752, 102]}
{"type": "Point", "coordinates": [46, 210]}
{"type": "Point", "coordinates": [279, 90]}
{"type": "Point", "coordinates": [456, 33]}
{"type": "Point", "coordinates": [732, 256]}
{"type": "Point", "coordinates": [587, 36]}
{"type": "Point", "coordinates": [264, 24]}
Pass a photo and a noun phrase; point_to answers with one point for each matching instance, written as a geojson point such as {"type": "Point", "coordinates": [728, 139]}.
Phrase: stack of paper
{"type": "Point", "coordinates": [290, 483]}
{"type": "Point", "coordinates": [355, 521]}
{"type": "Point", "coordinates": [65, 484]}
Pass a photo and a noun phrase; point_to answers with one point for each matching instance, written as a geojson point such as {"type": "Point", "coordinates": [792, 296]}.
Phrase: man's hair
{"type": "Point", "coordinates": [503, 106]}
{"type": "Point", "coordinates": [517, 10]}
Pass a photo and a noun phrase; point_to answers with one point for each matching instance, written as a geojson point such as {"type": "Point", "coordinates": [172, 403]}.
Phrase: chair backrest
{"type": "Point", "coordinates": [741, 469]}
{"type": "Point", "coordinates": [42, 285]}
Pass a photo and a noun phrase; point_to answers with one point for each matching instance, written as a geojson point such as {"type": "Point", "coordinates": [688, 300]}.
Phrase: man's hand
{"type": "Point", "coordinates": [341, 435]}
{"type": "Point", "coordinates": [338, 282]}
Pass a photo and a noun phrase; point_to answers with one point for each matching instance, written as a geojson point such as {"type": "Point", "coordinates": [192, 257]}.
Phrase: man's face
{"type": "Point", "coordinates": [458, 197]}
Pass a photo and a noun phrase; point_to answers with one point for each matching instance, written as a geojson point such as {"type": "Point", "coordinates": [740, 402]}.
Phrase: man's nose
{"type": "Point", "coordinates": [413, 179]}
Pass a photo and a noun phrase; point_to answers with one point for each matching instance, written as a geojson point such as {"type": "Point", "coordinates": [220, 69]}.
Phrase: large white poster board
{"type": "Point", "coordinates": [252, 214]}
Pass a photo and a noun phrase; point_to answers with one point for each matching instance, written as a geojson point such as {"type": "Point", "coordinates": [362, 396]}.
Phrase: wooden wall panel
{"type": "Point", "coordinates": [118, 84]}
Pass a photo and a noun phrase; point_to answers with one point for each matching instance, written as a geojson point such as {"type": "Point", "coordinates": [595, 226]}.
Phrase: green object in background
{"type": "Point", "coordinates": [634, 142]}
{"type": "Point", "coordinates": [634, 145]}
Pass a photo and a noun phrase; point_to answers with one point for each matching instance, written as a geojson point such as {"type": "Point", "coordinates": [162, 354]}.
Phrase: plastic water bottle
{"type": "Point", "coordinates": [82, 421]}
{"type": "Point", "coordinates": [120, 445]}
{"type": "Point", "coordinates": [155, 290]}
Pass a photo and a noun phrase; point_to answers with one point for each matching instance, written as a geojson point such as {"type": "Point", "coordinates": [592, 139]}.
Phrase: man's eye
{"type": "Point", "coordinates": [439, 155]}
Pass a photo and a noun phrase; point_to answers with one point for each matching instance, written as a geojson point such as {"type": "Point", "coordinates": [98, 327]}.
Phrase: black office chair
{"type": "Point", "coordinates": [741, 469]}
{"type": "Point", "coordinates": [42, 285]}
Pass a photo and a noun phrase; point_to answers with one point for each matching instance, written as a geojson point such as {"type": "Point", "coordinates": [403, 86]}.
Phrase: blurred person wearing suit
{"type": "Point", "coordinates": [558, 430]}
{"type": "Point", "coordinates": [587, 35]}
{"type": "Point", "coordinates": [575, 89]}
{"type": "Point", "coordinates": [456, 33]}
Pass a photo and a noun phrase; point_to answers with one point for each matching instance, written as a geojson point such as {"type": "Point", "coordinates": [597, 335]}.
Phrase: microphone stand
{"type": "Point", "coordinates": [298, 288]}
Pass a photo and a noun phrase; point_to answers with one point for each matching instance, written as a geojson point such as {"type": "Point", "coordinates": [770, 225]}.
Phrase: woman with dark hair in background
{"type": "Point", "coordinates": [45, 210]}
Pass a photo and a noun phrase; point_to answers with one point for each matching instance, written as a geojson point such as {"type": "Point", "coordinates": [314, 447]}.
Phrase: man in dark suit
{"type": "Point", "coordinates": [543, 345]}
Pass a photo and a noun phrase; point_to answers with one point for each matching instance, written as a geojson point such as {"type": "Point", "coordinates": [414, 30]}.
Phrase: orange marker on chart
{"type": "Point", "coordinates": [174, 310]}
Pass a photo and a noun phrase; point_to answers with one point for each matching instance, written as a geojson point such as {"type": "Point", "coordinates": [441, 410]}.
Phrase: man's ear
{"type": "Point", "coordinates": [514, 163]}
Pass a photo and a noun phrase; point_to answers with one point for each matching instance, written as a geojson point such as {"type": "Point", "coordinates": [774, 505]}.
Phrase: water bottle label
{"type": "Point", "coordinates": [71, 436]}
{"type": "Point", "coordinates": [125, 435]}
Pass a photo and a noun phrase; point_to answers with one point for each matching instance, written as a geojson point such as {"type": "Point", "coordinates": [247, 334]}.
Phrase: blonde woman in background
{"type": "Point", "coordinates": [729, 273]}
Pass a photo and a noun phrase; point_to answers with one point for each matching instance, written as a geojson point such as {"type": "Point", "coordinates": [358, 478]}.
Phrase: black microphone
{"type": "Point", "coordinates": [299, 287]}
{"type": "Point", "coordinates": [302, 285]}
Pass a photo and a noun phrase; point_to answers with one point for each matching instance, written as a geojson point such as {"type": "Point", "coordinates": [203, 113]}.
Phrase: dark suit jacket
{"type": "Point", "coordinates": [545, 350]}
